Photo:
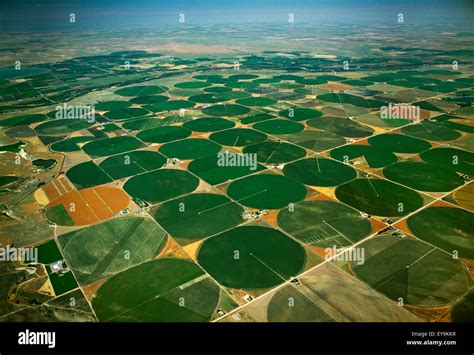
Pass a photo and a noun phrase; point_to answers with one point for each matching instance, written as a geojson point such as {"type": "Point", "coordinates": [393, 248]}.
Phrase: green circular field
{"type": "Point", "coordinates": [217, 89]}
{"type": "Point", "coordinates": [317, 141]}
{"type": "Point", "coordinates": [132, 163]}
{"type": "Point", "coordinates": [210, 170]}
{"type": "Point", "coordinates": [257, 101]}
{"type": "Point", "coordinates": [379, 197]}
{"type": "Point", "coordinates": [208, 124]}
{"type": "Point", "coordinates": [324, 223]}
{"type": "Point", "coordinates": [241, 84]}
{"type": "Point", "coordinates": [331, 77]}
{"type": "Point", "coordinates": [225, 110]}
{"type": "Point", "coordinates": [434, 131]}
{"type": "Point", "coordinates": [207, 76]}
{"type": "Point", "coordinates": [110, 146]}
{"type": "Point", "coordinates": [319, 172]}
{"type": "Point", "coordinates": [242, 77]}
{"type": "Point", "coordinates": [126, 113]}
{"type": "Point", "coordinates": [231, 95]}
{"type": "Point", "coordinates": [205, 98]}
{"type": "Point", "coordinates": [141, 91]}
{"type": "Point", "coordinates": [266, 191]}
{"type": "Point", "coordinates": [216, 79]}
{"type": "Point", "coordinates": [398, 143]}
{"type": "Point", "coordinates": [62, 126]}
{"type": "Point", "coordinates": [172, 105]}
{"type": "Point", "coordinates": [423, 176]}
{"type": "Point", "coordinates": [251, 257]}
{"type": "Point", "coordinates": [275, 152]}
{"type": "Point", "coordinates": [279, 126]}
{"type": "Point", "coordinates": [190, 148]}
{"type": "Point", "coordinates": [412, 270]}
{"type": "Point", "coordinates": [238, 137]}
{"type": "Point", "coordinates": [357, 82]}
{"type": "Point", "coordinates": [111, 105]}
{"type": "Point", "coordinates": [87, 174]}
{"type": "Point", "coordinates": [149, 100]}
{"type": "Point", "coordinates": [196, 216]}
{"type": "Point", "coordinates": [343, 98]}
{"type": "Point", "coordinates": [163, 134]}
{"type": "Point", "coordinates": [450, 158]}
{"type": "Point", "coordinates": [161, 185]}
{"type": "Point", "coordinates": [447, 228]}
{"type": "Point", "coordinates": [300, 114]}
{"type": "Point", "coordinates": [151, 292]}
{"type": "Point", "coordinates": [266, 81]}
{"type": "Point", "coordinates": [192, 85]}
{"type": "Point", "coordinates": [341, 126]}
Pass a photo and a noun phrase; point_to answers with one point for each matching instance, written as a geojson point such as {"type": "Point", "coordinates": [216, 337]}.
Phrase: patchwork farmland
{"type": "Point", "coordinates": [271, 191]}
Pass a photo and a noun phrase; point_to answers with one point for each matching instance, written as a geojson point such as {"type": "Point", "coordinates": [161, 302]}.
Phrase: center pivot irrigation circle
{"type": "Point", "coordinates": [251, 257]}
{"type": "Point", "coordinates": [379, 197]}
{"type": "Point", "coordinates": [266, 191]}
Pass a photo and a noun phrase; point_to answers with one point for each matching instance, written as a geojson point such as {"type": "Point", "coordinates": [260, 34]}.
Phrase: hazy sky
{"type": "Point", "coordinates": [18, 13]}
